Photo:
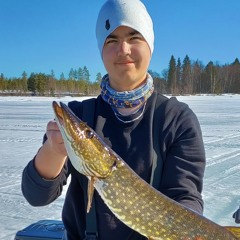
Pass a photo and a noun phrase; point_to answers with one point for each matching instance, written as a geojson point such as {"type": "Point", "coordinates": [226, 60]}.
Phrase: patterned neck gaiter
{"type": "Point", "coordinates": [126, 99]}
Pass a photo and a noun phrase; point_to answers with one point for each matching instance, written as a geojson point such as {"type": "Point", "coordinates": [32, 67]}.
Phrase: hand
{"type": "Point", "coordinates": [51, 157]}
{"type": "Point", "coordinates": [55, 139]}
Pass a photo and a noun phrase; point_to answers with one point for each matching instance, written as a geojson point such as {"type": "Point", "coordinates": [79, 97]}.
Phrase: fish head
{"type": "Point", "coordinates": [87, 152]}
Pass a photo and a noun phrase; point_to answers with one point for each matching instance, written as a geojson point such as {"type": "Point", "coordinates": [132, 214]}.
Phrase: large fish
{"type": "Point", "coordinates": [131, 199]}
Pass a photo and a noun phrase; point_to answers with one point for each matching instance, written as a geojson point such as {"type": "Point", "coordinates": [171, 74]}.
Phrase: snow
{"type": "Point", "coordinates": [22, 125]}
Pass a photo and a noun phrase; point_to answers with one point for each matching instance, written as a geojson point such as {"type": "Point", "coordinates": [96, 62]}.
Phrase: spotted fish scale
{"type": "Point", "coordinates": [130, 198]}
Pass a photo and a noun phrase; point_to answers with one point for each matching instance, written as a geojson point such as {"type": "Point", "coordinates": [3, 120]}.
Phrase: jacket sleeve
{"type": "Point", "coordinates": [39, 191]}
{"type": "Point", "coordinates": [184, 156]}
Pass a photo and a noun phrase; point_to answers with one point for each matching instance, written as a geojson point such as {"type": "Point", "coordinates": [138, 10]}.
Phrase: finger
{"type": "Point", "coordinates": [52, 125]}
{"type": "Point", "coordinates": [53, 133]}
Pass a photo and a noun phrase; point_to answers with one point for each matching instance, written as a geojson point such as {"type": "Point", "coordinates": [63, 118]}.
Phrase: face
{"type": "Point", "coordinates": [126, 57]}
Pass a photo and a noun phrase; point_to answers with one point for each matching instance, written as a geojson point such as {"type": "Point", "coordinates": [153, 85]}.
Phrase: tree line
{"type": "Point", "coordinates": [192, 77]}
{"type": "Point", "coordinates": [181, 77]}
{"type": "Point", "coordinates": [41, 84]}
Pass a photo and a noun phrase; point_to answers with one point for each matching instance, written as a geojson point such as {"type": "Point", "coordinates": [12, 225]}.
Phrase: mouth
{"type": "Point", "coordinates": [58, 112]}
{"type": "Point", "coordinates": [68, 123]}
{"type": "Point", "coordinates": [63, 114]}
{"type": "Point", "coordinates": [125, 63]}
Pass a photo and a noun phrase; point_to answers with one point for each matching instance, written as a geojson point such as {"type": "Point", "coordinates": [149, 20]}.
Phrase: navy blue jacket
{"type": "Point", "coordinates": [182, 152]}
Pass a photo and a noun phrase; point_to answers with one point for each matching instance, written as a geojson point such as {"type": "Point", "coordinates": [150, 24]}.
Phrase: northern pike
{"type": "Point", "coordinates": [130, 198]}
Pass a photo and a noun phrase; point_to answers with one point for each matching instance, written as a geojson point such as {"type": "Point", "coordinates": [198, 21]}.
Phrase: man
{"type": "Point", "coordinates": [124, 114]}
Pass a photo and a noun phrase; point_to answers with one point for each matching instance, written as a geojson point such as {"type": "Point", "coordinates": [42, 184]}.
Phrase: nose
{"type": "Point", "coordinates": [124, 48]}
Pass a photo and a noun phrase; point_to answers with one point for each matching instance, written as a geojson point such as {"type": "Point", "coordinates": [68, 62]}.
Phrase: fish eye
{"type": "Point", "coordinates": [89, 134]}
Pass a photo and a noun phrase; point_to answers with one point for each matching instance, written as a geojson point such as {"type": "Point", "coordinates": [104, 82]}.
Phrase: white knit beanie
{"type": "Point", "coordinates": [130, 13]}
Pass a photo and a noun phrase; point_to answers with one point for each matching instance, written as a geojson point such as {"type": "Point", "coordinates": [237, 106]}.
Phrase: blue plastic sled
{"type": "Point", "coordinates": [42, 230]}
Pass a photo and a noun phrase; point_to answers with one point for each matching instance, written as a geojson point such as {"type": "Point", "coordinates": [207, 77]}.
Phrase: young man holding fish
{"type": "Point", "coordinates": [124, 114]}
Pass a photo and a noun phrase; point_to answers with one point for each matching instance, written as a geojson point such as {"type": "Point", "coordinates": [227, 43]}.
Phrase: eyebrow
{"type": "Point", "coordinates": [132, 33]}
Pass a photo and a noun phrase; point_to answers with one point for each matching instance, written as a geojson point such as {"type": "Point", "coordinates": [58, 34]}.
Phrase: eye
{"type": "Point", "coordinates": [89, 134]}
{"type": "Point", "coordinates": [137, 37]}
{"type": "Point", "coordinates": [110, 40]}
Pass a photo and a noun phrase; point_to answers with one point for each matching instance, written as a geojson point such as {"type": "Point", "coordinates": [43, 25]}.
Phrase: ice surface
{"type": "Point", "coordinates": [22, 125]}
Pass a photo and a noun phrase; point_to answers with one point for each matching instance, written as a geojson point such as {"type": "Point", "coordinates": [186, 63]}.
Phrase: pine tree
{"type": "Point", "coordinates": [99, 78]}
{"type": "Point", "coordinates": [178, 74]}
{"type": "Point", "coordinates": [71, 74]}
{"type": "Point", "coordinates": [172, 80]}
{"type": "Point", "coordinates": [80, 74]}
{"type": "Point", "coordinates": [42, 80]}
{"type": "Point", "coordinates": [235, 71]}
{"type": "Point", "coordinates": [32, 84]}
{"type": "Point", "coordinates": [211, 76]}
{"type": "Point", "coordinates": [24, 82]}
{"type": "Point", "coordinates": [86, 75]}
{"type": "Point", "coordinates": [197, 76]}
{"type": "Point", "coordinates": [187, 84]}
{"type": "Point", "coordinates": [62, 77]}
{"type": "Point", "coordinates": [2, 82]}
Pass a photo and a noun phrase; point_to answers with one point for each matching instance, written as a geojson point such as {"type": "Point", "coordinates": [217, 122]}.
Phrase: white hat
{"type": "Point", "coordinates": [130, 13]}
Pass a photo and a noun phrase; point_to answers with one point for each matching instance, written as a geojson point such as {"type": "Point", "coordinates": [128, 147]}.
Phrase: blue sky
{"type": "Point", "coordinates": [45, 35]}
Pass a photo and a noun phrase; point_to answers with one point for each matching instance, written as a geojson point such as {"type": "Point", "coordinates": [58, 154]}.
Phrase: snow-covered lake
{"type": "Point", "coordinates": [22, 125]}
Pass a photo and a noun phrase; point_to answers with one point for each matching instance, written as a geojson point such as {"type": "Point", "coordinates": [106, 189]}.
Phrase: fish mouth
{"type": "Point", "coordinates": [64, 114]}
{"type": "Point", "coordinates": [58, 112]}
{"type": "Point", "coordinates": [68, 123]}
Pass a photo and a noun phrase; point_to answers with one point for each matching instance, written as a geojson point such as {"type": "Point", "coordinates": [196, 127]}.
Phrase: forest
{"type": "Point", "coordinates": [186, 77]}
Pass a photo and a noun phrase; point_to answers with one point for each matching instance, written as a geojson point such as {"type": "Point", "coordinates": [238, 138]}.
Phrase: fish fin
{"type": "Point", "coordinates": [91, 183]}
{"type": "Point", "coordinates": [234, 230]}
